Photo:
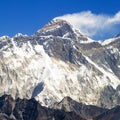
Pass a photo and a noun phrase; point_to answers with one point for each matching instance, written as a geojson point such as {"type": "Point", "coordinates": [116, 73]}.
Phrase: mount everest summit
{"type": "Point", "coordinates": [59, 61]}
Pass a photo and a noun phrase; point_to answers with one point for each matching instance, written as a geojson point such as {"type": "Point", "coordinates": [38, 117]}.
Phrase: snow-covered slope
{"type": "Point", "coordinates": [111, 40]}
{"type": "Point", "coordinates": [55, 62]}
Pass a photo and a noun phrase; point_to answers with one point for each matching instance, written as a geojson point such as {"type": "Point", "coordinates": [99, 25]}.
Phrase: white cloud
{"type": "Point", "coordinates": [94, 25]}
{"type": "Point", "coordinates": [115, 19]}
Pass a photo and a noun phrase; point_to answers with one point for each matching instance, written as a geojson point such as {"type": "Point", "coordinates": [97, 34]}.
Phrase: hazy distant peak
{"type": "Point", "coordinates": [4, 37]}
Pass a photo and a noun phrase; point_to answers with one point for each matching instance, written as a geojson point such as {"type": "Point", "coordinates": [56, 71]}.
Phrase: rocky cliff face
{"type": "Point", "coordinates": [59, 61]}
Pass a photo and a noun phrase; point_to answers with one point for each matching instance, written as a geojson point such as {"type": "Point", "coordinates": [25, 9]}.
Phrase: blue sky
{"type": "Point", "coordinates": [27, 16]}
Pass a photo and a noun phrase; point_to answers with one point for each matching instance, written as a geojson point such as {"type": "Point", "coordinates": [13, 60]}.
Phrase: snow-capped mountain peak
{"type": "Point", "coordinates": [62, 29]}
{"type": "Point", "coordinates": [56, 27]}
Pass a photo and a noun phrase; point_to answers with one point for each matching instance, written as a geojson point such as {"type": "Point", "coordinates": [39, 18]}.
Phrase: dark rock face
{"type": "Point", "coordinates": [109, 97]}
{"type": "Point", "coordinates": [113, 114]}
{"type": "Point", "coordinates": [107, 56]}
{"type": "Point", "coordinates": [25, 109]}
{"type": "Point", "coordinates": [6, 105]}
{"type": "Point", "coordinates": [63, 49]}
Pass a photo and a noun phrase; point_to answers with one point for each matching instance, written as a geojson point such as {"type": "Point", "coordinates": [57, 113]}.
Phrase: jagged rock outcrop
{"type": "Point", "coordinates": [86, 111]}
{"type": "Point", "coordinates": [23, 109]}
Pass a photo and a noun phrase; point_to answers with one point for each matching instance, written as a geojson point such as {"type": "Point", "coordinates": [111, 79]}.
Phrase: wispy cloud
{"type": "Point", "coordinates": [94, 25]}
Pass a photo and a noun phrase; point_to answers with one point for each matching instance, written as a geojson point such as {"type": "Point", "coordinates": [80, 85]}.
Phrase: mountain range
{"type": "Point", "coordinates": [59, 61]}
{"type": "Point", "coordinates": [67, 109]}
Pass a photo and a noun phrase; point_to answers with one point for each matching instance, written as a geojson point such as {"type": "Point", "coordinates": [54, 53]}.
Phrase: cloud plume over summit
{"type": "Point", "coordinates": [94, 25]}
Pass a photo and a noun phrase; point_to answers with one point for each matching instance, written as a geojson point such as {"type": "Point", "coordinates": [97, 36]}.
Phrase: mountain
{"type": "Point", "coordinates": [59, 61]}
